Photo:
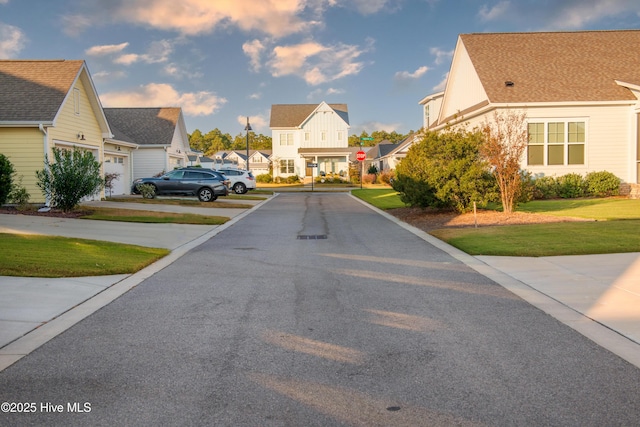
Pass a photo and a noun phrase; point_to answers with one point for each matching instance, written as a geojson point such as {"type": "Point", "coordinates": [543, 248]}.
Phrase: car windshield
{"type": "Point", "coordinates": [174, 175]}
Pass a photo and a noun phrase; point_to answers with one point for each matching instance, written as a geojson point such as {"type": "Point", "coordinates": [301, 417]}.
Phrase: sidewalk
{"type": "Point", "coordinates": [597, 295]}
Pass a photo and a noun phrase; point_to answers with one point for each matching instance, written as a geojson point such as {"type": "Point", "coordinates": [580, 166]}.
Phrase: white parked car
{"type": "Point", "coordinates": [241, 180]}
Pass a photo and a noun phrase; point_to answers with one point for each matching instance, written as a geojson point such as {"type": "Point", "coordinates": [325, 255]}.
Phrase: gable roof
{"type": "Point", "coordinates": [32, 92]}
{"type": "Point", "coordinates": [292, 115]}
{"type": "Point", "coordinates": [555, 67]}
{"type": "Point", "coordinates": [144, 126]}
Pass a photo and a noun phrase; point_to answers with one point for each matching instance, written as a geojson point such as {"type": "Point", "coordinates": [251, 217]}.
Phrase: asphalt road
{"type": "Point", "coordinates": [316, 311]}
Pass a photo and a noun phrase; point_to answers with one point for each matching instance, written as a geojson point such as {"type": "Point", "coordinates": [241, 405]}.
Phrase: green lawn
{"type": "Point", "coordinates": [132, 215]}
{"type": "Point", "coordinates": [50, 256]}
{"type": "Point", "coordinates": [616, 229]}
{"type": "Point", "coordinates": [384, 198]}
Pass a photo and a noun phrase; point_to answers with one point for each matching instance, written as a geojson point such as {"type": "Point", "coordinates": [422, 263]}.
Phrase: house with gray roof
{"type": "Point", "coordinates": [160, 134]}
{"type": "Point", "coordinates": [580, 92]}
{"type": "Point", "coordinates": [46, 104]}
{"type": "Point", "coordinates": [310, 134]}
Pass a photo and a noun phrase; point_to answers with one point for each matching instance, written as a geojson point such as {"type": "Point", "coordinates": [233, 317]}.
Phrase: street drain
{"type": "Point", "coordinates": [312, 236]}
{"type": "Point", "coordinates": [393, 408]}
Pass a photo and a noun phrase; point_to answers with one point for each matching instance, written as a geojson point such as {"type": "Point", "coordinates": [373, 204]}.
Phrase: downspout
{"type": "Point", "coordinates": [47, 201]}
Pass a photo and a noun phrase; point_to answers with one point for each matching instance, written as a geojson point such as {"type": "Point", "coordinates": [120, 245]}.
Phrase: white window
{"type": "Point", "coordinates": [323, 136]}
{"type": "Point", "coordinates": [307, 136]}
{"type": "Point", "coordinates": [556, 143]}
{"type": "Point", "coordinates": [339, 135]}
{"type": "Point", "coordinates": [286, 166]}
{"type": "Point", "coordinates": [286, 139]}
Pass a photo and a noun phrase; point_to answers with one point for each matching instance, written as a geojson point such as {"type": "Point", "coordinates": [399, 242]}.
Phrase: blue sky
{"type": "Point", "coordinates": [223, 60]}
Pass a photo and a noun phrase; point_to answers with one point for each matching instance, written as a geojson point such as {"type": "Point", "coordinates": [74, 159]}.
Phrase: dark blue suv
{"type": "Point", "coordinates": [207, 184]}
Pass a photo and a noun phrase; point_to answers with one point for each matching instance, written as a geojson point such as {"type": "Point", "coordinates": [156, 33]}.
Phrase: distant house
{"type": "Point", "coordinates": [306, 134]}
{"type": "Point", "coordinates": [579, 90]}
{"type": "Point", "coordinates": [46, 104]}
{"type": "Point", "coordinates": [161, 135]}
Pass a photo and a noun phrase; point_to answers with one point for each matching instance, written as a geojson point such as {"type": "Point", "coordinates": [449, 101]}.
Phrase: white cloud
{"type": "Point", "coordinates": [441, 55]}
{"type": "Point", "coordinates": [160, 94]}
{"type": "Point", "coordinates": [12, 41]}
{"type": "Point", "coordinates": [255, 96]}
{"type": "Point", "coordinates": [406, 75]}
{"type": "Point", "coordinates": [443, 83]}
{"type": "Point", "coordinates": [74, 25]}
{"type": "Point", "coordinates": [316, 63]}
{"type": "Point", "coordinates": [159, 51]}
{"type": "Point", "coordinates": [254, 50]}
{"type": "Point", "coordinates": [560, 14]}
{"type": "Point", "coordinates": [494, 13]}
{"type": "Point", "coordinates": [374, 126]}
{"type": "Point", "coordinates": [257, 122]}
{"type": "Point", "coordinates": [276, 18]}
{"type": "Point", "coordinates": [108, 75]}
{"type": "Point", "coordinates": [107, 49]}
{"type": "Point", "coordinates": [4, 1]}
{"type": "Point", "coordinates": [175, 71]}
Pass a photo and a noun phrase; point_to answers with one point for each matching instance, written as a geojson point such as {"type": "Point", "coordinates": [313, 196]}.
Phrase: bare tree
{"type": "Point", "coordinates": [506, 139]}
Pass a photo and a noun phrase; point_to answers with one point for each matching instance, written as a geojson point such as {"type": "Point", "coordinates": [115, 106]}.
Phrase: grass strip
{"type": "Point", "coordinates": [186, 202]}
{"type": "Point", "coordinates": [384, 198]}
{"type": "Point", "coordinates": [553, 239]}
{"type": "Point", "coordinates": [131, 215]}
{"type": "Point", "coordinates": [51, 256]}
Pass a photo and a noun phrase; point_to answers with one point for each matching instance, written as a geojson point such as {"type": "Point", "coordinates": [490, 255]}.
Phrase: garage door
{"type": "Point", "coordinates": [116, 164]}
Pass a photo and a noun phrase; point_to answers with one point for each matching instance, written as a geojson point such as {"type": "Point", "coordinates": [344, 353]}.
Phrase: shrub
{"type": "Point", "coordinates": [109, 178]}
{"type": "Point", "coordinates": [293, 179]}
{"type": "Point", "coordinates": [385, 177]}
{"type": "Point", "coordinates": [372, 169]}
{"type": "Point", "coordinates": [264, 178]}
{"type": "Point", "coordinates": [571, 185]}
{"type": "Point", "coordinates": [74, 174]}
{"type": "Point", "coordinates": [6, 178]}
{"type": "Point", "coordinates": [19, 195]}
{"type": "Point", "coordinates": [527, 187]}
{"type": "Point", "coordinates": [445, 170]}
{"type": "Point", "coordinates": [546, 187]}
{"type": "Point", "coordinates": [369, 178]}
{"type": "Point", "coordinates": [602, 184]}
{"type": "Point", "coordinates": [148, 191]}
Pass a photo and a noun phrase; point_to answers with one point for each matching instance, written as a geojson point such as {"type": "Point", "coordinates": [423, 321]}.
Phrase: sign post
{"type": "Point", "coordinates": [361, 156]}
{"type": "Point", "coordinates": [312, 166]}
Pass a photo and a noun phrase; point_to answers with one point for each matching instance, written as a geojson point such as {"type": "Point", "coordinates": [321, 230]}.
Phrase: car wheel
{"type": "Point", "coordinates": [239, 188]}
{"type": "Point", "coordinates": [206, 195]}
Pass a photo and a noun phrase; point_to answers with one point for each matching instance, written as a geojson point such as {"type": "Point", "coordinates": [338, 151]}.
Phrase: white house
{"type": "Point", "coordinates": [161, 135]}
{"type": "Point", "coordinates": [306, 134]}
{"type": "Point", "coordinates": [580, 92]}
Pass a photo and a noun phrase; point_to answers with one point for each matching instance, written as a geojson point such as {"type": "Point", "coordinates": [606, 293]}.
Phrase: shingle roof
{"type": "Point", "coordinates": [553, 67]}
{"type": "Point", "coordinates": [33, 91]}
{"type": "Point", "coordinates": [292, 115]}
{"type": "Point", "coordinates": [144, 126]}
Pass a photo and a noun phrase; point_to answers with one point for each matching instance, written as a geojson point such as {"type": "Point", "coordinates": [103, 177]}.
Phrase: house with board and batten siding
{"type": "Point", "coordinates": [580, 92]}
{"type": "Point", "coordinates": [310, 134]}
{"type": "Point", "coordinates": [46, 104]}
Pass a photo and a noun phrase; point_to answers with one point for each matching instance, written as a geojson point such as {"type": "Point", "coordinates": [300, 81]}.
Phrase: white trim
{"type": "Point", "coordinates": [75, 144]}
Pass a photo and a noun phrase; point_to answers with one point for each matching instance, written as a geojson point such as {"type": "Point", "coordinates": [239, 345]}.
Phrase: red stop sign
{"type": "Point", "coordinates": [361, 155]}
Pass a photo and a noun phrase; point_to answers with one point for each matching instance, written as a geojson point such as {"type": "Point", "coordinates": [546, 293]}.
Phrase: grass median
{"type": "Point", "coordinates": [51, 256]}
{"type": "Point", "coordinates": [615, 228]}
{"type": "Point", "coordinates": [31, 255]}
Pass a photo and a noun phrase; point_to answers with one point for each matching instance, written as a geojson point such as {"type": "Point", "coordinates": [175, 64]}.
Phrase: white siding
{"type": "Point", "coordinates": [607, 138]}
{"type": "Point", "coordinates": [464, 88]}
{"type": "Point", "coordinates": [326, 123]}
{"type": "Point", "coordinates": [149, 162]}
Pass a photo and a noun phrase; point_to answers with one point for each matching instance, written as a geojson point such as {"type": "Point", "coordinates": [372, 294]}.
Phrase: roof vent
{"type": "Point", "coordinates": [509, 83]}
